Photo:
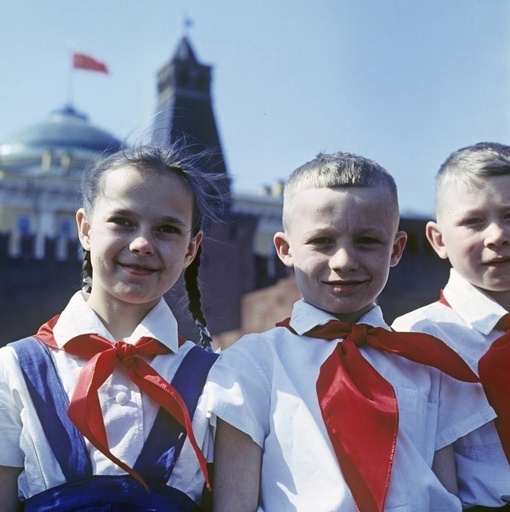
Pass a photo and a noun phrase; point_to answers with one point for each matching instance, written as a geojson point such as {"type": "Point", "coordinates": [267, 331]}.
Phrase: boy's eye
{"type": "Point", "coordinates": [322, 240]}
{"type": "Point", "coordinates": [368, 240]}
{"type": "Point", "coordinates": [121, 221]}
{"type": "Point", "coordinates": [473, 221]}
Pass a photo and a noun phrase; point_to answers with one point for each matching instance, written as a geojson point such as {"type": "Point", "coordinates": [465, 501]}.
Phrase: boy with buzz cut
{"type": "Point", "coordinates": [331, 410]}
{"type": "Point", "coordinates": [472, 230]}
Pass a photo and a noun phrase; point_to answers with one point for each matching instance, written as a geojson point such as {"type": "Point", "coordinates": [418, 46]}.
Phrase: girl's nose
{"type": "Point", "coordinates": [142, 245]}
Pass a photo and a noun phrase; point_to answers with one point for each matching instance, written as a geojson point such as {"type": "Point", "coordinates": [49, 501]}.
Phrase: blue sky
{"type": "Point", "coordinates": [403, 82]}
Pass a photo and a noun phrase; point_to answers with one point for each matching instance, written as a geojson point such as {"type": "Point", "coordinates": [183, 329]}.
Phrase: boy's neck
{"type": "Point", "coordinates": [352, 318]}
{"type": "Point", "coordinates": [502, 298]}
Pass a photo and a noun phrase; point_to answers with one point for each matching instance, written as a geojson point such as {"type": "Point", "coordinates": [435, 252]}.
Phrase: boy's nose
{"type": "Point", "coordinates": [497, 234]}
{"type": "Point", "coordinates": [342, 259]}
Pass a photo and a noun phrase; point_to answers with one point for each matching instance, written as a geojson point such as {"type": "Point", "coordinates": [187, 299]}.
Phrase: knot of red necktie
{"type": "Point", "coordinates": [358, 334]}
{"type": "Point", "coordinates": [336, 329]}
{"type": "Point", "coordinates": [103, 356]}
{"type": "Point", "coordinates": [126, 353]}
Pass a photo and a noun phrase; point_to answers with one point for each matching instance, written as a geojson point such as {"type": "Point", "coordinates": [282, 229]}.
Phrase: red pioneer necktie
{"type": "Point", "coordinates": [103, 355]}
{"type": "Point", "coordinates": [359, 406]}
{"type": "Point", "coordinates": [494, 372]}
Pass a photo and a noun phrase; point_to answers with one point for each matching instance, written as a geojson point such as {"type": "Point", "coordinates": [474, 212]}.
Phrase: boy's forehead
{"type": "Point", "coordinates": [313, 201]}
{"type": "Point", "coordinates": [471, 192]}
{"type": "Point", "coordinates": [469, 183]}
{"type": "Point", "coordinates": [302, 196]}
{"type": "Point", "coordinates": [449, 191]}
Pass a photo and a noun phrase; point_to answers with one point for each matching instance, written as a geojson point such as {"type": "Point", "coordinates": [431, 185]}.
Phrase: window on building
{"type": "Point", "coordinates": [24, 225]}
{"type": "Point", "coordinates": [66, 228]}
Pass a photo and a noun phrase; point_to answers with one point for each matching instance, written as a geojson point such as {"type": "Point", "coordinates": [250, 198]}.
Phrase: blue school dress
{"type": "Point", "coordinates": [85, 492]}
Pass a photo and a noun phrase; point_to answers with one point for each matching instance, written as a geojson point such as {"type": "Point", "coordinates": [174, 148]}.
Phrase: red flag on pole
{"type": "Point", "coordinates": [82, 61]}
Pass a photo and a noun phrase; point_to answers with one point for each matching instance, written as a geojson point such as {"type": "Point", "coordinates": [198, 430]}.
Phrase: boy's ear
{"type": "Point", "coordinates": [435, 237]}
{"type": "Point", "coordinates": [398, 247]}
{"type": "Point", "coordinates": [283, 249]}
{"type": "Point", "coordinates": [83, 229]}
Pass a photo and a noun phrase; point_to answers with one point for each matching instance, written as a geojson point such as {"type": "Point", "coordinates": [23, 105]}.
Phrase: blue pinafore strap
{"type": "Point", "coordinates": [51, 403]}
{"type": "Point", "coordinates": [163, 445]}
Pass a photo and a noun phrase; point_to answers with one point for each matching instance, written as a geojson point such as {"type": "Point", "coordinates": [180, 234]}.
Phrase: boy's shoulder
{"type": "Point", "coordinates": [257, 341]}
{"type": "Point", "coordinates": [425, 318]}
{"type": "Point", "coordinates": [302, 317]}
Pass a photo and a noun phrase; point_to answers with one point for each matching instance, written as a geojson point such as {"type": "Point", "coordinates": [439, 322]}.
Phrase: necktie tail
{"type": "Point", "coordinates": [424, 349]}
{"type": "Point", "coordinates": [84, 409]}
{"type": "Point", "coordinates": [494, 371]}
{"type": "Point", "coordinates": [163, 393]}
{"type": "Point", "coordinates": [360, 411]}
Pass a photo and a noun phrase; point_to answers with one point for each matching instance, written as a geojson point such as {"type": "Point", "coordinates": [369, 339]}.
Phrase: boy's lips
{"type": "Point", "coordinates": [344, 284]}
{"type": "Point", "coordinates": [497, 261]}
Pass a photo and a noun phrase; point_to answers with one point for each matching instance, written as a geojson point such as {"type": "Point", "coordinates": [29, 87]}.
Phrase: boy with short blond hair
{"type": "Point", "coordinates": [472, 230]}
{"type": "Point", "coordinates": [331, 410]}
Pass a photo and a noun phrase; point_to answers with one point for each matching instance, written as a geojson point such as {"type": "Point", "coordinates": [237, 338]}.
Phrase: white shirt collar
{"type": "Point", "coordinates": [472, 304]}
{"type": "Point", "coordinates": [305, 317]}
{"type": "Point", "coordinates": [79, 318]}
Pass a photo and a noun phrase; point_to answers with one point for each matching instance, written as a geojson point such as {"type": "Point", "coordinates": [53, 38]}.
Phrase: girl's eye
{"type": "Point", "coordinates": [168, 228]}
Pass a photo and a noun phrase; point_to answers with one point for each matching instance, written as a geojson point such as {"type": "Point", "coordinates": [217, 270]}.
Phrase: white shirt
{"type": "Point", "coordinates": [265, 385]}
{"type": "Point", "coordinates": [128, 415]}
{"type": "Point", "coordinates": [468, 326]}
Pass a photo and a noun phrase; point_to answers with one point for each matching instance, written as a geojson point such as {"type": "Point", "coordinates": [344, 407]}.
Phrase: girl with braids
{"type": "Point", "coordinates": [105, 407]}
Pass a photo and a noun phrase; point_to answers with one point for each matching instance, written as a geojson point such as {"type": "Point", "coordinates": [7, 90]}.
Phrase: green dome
{"type": "Point", "coordinates": [65, 132]}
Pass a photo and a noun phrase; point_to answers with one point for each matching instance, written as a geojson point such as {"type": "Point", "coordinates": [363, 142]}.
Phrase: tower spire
{"type": "Point", "coordinates": [185, 108]}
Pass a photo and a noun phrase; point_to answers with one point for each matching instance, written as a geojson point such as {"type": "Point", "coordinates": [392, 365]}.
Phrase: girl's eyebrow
{"type": "Point", "coordinates": [167, 219]}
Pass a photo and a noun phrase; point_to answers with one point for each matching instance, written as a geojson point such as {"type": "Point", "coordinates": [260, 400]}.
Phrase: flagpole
{"type": "Point", "coordinates": [70, 74]}
{"type": "Point", "coordinates": [70, 87]}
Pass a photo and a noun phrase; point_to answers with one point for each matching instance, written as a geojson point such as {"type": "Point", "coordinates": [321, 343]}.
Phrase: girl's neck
{"type": "Point", "coordinates": [119, 319]}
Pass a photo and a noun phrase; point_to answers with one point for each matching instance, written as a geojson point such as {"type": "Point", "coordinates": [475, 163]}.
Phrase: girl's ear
{"type": "Point", "coordinates": [83, 229]}
{"type": "Point", "coordinates": [435, 237]}
{"type": "Point", "coordinates": [193, 246]}
{"type": "Point", "coordinates": [283, 249]}
{"type": "Point", "coordinates": [398, 247]}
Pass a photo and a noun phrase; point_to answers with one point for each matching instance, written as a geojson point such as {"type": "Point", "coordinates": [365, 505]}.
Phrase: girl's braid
{"type": "Point", "coordinates": [194, 305]}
